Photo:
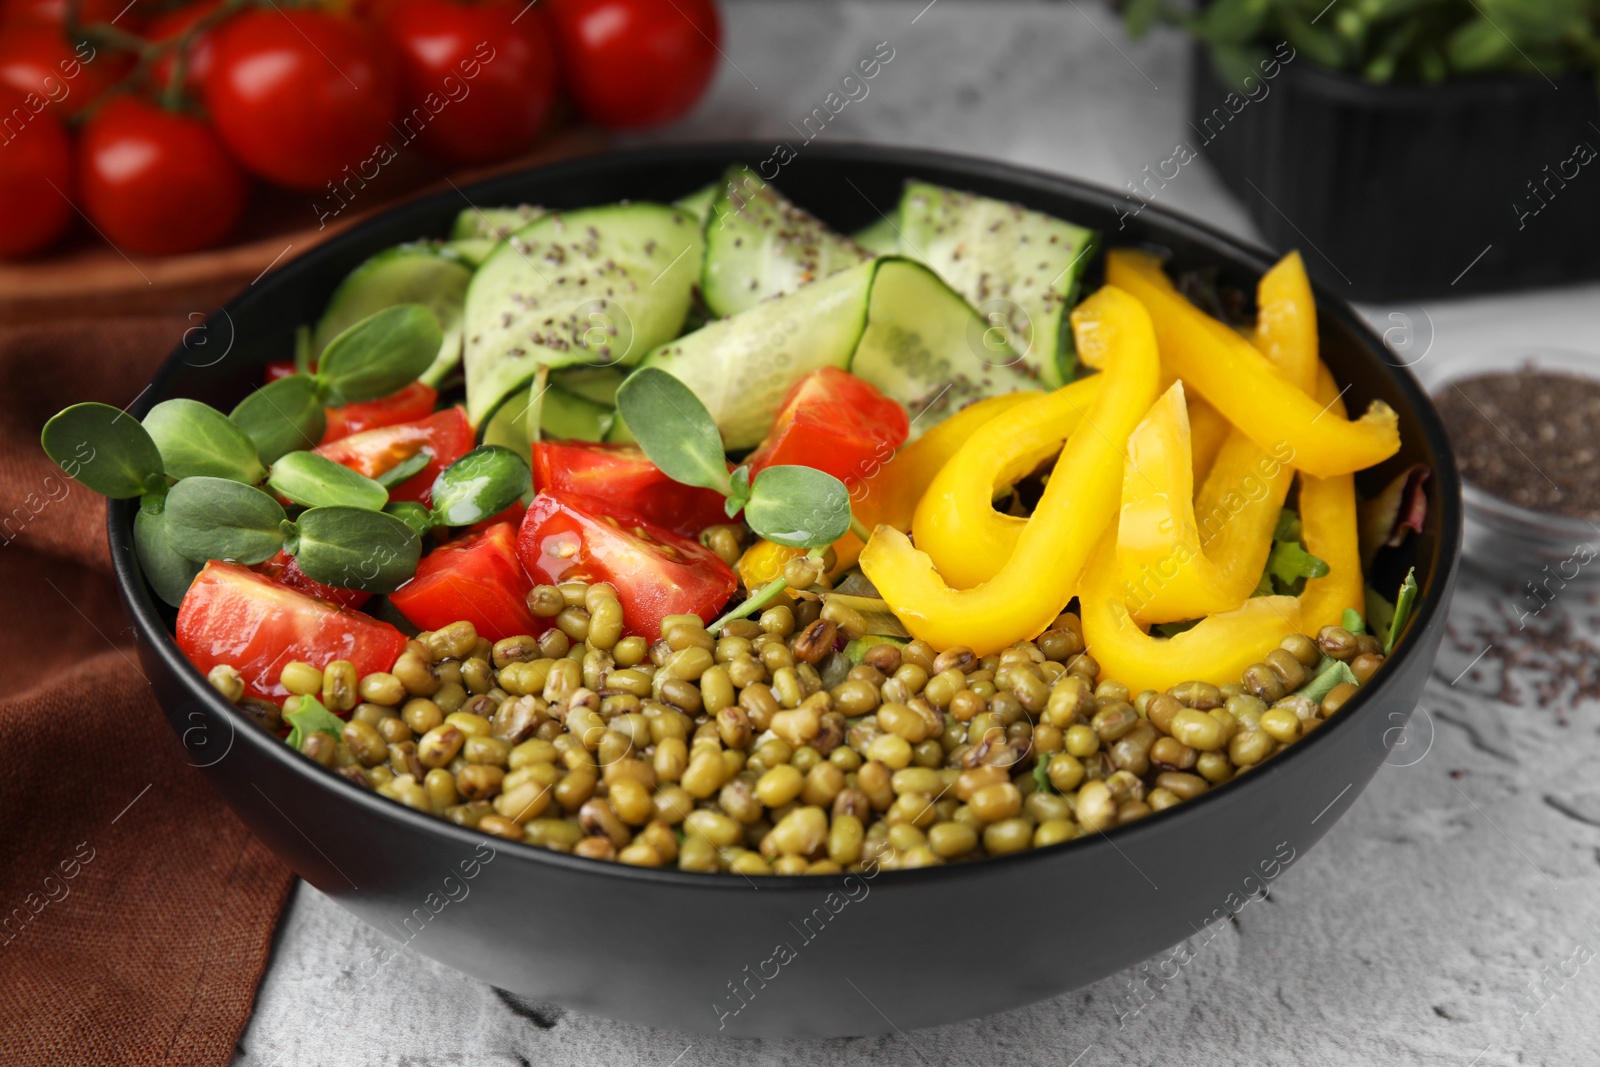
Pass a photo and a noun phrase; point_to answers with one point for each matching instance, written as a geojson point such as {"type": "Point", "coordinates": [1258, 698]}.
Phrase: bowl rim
{"type": "Point", "coordinates": [1445, 563]}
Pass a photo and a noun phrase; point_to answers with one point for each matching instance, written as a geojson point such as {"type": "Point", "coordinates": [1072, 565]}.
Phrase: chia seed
{"type": "Point", "coordinates": [1528, 437]}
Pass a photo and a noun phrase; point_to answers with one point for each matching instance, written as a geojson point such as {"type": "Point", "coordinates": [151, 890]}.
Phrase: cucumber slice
{"type": "Point", "coordinates": [515, 423]}
{"type": "Point", "coordinates": [599, 285]}
{"type": "Point", "coordinates": [479, 231]}
{"type": "Point", "coordinates": [596, 384]}
{"type": "Point", "coordinates": [740, 367]}
{"type": "Point", "coordinates": [881, 238]}
{"type": "Point", "coordinates": [567, 416]}
{"type": "Point", "coordinates": [891, 321]}
{"type": "Point", "coordinates": [427, 274]}
{"type": "Point", "coordinates": [473, 250]}
{"type": "Point", "coordinates": [698, 203]}
{"type": "Point", "coordinates": [1019, 268]}
{"type": "Point", "coordinates": [758, 245]}
{"type": "Point", "coordinates": [494, 223]}
{"type": "Point", "coordinates": [926, 347]}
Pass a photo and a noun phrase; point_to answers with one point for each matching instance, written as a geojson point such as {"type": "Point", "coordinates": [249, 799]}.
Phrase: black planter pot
{"type": "Point", "coordinates": [793, 956]}
{"type": "Point", "coordinates": [1404, 192]}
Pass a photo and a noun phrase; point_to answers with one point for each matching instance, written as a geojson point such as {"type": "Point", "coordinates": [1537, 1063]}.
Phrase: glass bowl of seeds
{"type": "Point", "coordinates": [1522, 424]}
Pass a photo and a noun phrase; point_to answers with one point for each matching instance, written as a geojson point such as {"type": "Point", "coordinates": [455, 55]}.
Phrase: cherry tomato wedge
{"type": "Point", "coordinates": [620, 478]}
{"type": "Point", "coordinates": [657, 572]}
{"type": "Point", "coordinates": [835, 422]}
{"type": "Point", "coordinates": [415, 401]}
{"type": "Point", "coordinates": [286, 572]}
{"type": "Point", "coordinates": [445, 436]}
{"type": "Point", "coordinates": [233, 615]}
{"type": "Point", "coordinates": [477, 578]}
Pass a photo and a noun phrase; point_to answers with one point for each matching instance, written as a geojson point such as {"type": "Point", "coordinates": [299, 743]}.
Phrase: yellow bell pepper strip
{"type": "Point", "coordinates": [1244, 385]}
{"type": "Point", "coordinates": [763, 562]}
{"type": "Point", "coordinates": [1185, 556]}
{"type": "Point", "coordinates": [1217, 649]}
{"type": "Point", "coordinates": [1079, 501]}
{"type": "Point", "coordinates": [956, 523]}
{"type": "Point", "coordinates": [1329, 530]}
{"type": "Point", "coordinates": [1207, 430]}
{"type": "Point", "coordinates": [888, 496]}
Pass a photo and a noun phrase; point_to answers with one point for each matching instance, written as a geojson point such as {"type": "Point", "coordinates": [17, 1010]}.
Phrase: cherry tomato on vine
{"type": "Point", "coordinates": [119, 13]}
{"type": "Point", "coordinates": [36, 57]}
{"type": "Point", "coordinates": [157, 182]}
{"type": "Point", "coordinates": [297, 95]}
{"type": "Point", "coordinates": [477, 79]}
{"type": "Point", "coordinates": [202, 53]}
{"type": "Point", "coordinates": [35, 177]}
{"type": "Point", "coordinates": [634, 63]}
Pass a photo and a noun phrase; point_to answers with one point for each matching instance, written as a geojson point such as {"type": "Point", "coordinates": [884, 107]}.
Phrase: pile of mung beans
{"type": "Point", "coordinates": [764, 750]}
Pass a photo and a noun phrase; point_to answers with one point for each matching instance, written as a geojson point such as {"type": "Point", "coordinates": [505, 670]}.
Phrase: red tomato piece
{"type": "Point", "coordinates": [835, 422]}
{"type": "Point", "coordinates": [444, 436]}
{"type": "Point", "coordinates": [119, 13]}
{"type": "Point", "coordinates": [621, 478]}
{"type": "Point", "coordinates": [283, 569]}
{"type": "Point", "coordinates": [415, 401]}
{"type": "Point", "coordinates": [636, 63]}
{"type": "Point", "coordinates": [298, 94]}
{"type": "Point", "coordinates": [35, 175]}
{"type": "Point", "coordinates": [155, 181]}
{"type": "Point", "coordinates": [235, 616]}
{"type": "Point", "coordinates": [477, 578]}
{"type": "Point", "coordinates": [657, 573]}
{"type": "Point", "coordinates": [477, 79]}
{"type": "Point", "coordinates": [513, 515]}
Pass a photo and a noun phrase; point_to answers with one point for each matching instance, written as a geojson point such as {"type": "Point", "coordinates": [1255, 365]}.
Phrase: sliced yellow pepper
{"type": "Point", "coordinates": [764, 561]}
{"type": "Point", "coordinates": [1217, 649]}
{"type": "Point", "coordinates": [888, 496]}
{"type": "Point", "coordinates": [1079, 501]}
{"type": "Point", "coordinates": [1207, 430]}
{"type": "Point", "coordinates": [956, 523]}
{"type": "Point", "coordinates": [1244, 385]}
{"type": "Point", "coordinates": [1328, 529]}
{"type": "Point", "coordinates": [1185, 556]}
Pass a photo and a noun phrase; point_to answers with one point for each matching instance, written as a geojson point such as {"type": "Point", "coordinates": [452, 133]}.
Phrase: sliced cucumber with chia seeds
{"type": "Point", "coordinates": [926, 347]}
{"type": "Point", "coordinates": [881, 238]}
{"type": "Point", "coordinates": [495, 223]}
{"type": "Point", "coordinates": [891, 321]}
{"type": "Point", "coordinates": [698, 203]}
{"type": "Point", "coordinates": [479, 231]}
{"type": "Point", "coordinates": [597, 286]}
{"type": "Point", "coordinates": [595, 384]}
{"type": "Point", "coordinates": [759, 245]}
{"type": "Point", "coordinates": [740, 367]}
{"type": "Point", "coordinates": [424, 273]}
{"type": "Point", "coordinates": [1019, 268]}
{"type": "Point", "coordinates": [568, 417]}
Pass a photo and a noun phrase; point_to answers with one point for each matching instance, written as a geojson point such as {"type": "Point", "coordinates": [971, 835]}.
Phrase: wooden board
{"type": "Point", "coordinates": [87, 277]}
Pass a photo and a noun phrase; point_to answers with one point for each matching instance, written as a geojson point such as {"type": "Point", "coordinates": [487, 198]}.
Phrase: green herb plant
{"type": "Point", "coordinates": [199, 474]}
{"type": "Point", "coordinates": [1427, 41]}
{"type": "Point", "coordinates": [799, 507]}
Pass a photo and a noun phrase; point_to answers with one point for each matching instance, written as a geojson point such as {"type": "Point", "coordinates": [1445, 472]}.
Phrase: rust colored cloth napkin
{"type": "Point", "coordinates": [136, 911]}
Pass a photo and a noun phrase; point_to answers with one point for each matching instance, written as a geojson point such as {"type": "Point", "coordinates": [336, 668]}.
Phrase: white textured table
{"type": "Point", "coordinates": [1450, 918]}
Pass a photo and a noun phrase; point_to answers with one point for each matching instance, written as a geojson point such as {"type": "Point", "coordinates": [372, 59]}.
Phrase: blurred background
{"type": "Point", "coordinates": [1434, 161]}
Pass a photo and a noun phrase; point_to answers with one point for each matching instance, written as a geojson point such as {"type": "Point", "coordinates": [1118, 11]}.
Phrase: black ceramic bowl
{"type": "Point", "coordinates": [791, 956]}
